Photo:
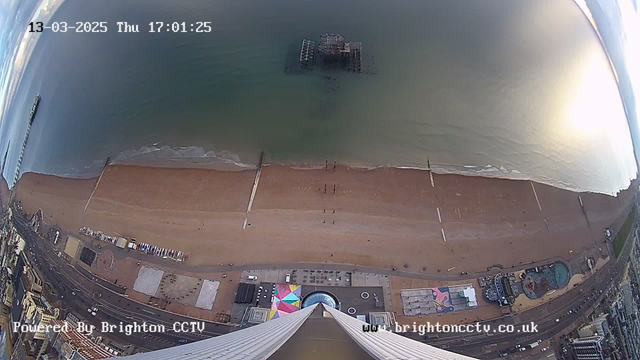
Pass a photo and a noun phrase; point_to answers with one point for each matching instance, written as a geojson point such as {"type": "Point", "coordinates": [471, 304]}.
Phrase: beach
{"type": "Point", "coordinates": [384, 217]}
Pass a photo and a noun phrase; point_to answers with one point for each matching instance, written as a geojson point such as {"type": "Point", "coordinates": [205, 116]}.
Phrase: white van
{"type": "Point", "coordinates": [288, 278]}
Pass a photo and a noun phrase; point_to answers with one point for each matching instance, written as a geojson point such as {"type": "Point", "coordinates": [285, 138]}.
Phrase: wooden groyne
{"type": "Point", "coordinates": [254, 189]}
{"type": "Point", "coordinates": [95, 187]}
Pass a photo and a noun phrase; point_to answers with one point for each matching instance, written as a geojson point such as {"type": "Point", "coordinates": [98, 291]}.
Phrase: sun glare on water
{"type": "Point", "coordinates": [591, 107]}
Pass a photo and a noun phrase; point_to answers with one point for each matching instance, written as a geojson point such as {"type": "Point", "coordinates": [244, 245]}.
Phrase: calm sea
{"type": "Point", "coordinates": [519, 89]}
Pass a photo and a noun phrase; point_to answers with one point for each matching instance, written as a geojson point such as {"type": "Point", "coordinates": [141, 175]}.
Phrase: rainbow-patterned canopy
{"type": "Point", "coordinates": [286, 299]}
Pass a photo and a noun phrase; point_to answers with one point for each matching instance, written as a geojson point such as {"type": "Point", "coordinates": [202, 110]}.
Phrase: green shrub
{"type": "Point", "coordinates": [621, 237]}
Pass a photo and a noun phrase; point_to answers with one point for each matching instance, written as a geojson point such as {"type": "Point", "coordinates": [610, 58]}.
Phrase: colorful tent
{"type": "Point", "coordinates": [286, 300]}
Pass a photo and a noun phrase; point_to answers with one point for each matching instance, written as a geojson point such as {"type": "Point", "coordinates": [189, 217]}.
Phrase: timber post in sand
{"type": "Point", "coordinates": [430, 174]}
{"type": "Point", "coordinates": [254, 189]}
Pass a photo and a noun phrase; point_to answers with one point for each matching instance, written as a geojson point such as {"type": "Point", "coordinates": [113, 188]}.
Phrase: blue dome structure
{"type": "Point", "coordinates": [320, 297]}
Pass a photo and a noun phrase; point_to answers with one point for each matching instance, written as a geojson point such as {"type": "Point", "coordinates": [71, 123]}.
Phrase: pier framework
{"type": "Point", "coordinates": [32, 115]}
{"type": "Point", "coordinates": [332, 50]}
{"type": "Point", "coordinates": [307, 52]}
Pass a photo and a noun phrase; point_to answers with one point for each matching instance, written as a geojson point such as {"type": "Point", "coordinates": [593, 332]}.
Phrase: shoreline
{"type": "Point", "coordinates": [383, 217]}
{"type": "Point", "coordinates": [488, 171]}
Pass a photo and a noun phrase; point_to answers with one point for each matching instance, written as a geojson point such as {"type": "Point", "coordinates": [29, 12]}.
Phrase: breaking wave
{"type": "Point", "coordinates": [501, 172]}
{"type": "Point", "coordinates": [489, 171]}
{"type": "Point", "coordinates": [198, 157]}
{"type": "Point", "coordinates": [189, 156]}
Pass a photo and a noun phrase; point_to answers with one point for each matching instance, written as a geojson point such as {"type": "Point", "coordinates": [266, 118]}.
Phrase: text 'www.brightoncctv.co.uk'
{"type": "Point", "coordinates": [437, 328]}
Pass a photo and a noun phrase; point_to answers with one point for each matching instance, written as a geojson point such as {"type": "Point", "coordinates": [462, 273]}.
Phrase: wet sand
{"type": "Point", "coordinates": [384, 217]}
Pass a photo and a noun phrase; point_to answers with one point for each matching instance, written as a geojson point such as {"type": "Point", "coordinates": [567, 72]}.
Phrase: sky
{"type": "Point", "coordinates": [630, 40]}
{"type": "Point", "coordinates": [16, 43]}
{"type": "Point", "coordinates": [618, 24]}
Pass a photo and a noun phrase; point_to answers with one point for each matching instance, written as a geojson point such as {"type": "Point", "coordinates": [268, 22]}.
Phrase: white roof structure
{"type": "Point", "coordinates": [423, 301]}
{"type": "Point", "coordinates": [148, 280]}
{"type": "Point", "coordinates": [207, 295]}
{"type": "Point", "coordinates": [470, 294]}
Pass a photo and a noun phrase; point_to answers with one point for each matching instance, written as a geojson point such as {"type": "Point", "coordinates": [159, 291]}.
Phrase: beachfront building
{"type": "Point", "coordinates": [501, 288]}
{"type": "Point", "coordinates": [317, 330]}
{"type": "Point", "coordinates": [589, 348]}
{"type": "Point", "coordinates": [73, 344]}
{"type": "Point", "coordinates": [598, 326]}
{"type": "Point", "coordinates": [440, 300]}
{"type": "Point", "coordinates": [37, 313]}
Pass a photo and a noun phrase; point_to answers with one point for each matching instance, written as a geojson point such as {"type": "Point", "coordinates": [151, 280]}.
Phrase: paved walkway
{"type": "Point", "coordinates": [121, 254]}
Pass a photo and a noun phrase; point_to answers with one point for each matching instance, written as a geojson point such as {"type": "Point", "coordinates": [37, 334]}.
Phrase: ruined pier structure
{"type": "Point", "coordinates": [332, 49]}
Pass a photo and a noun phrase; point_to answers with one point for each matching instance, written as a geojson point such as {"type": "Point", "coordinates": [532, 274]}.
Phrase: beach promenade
{"type": "Point", "coordinates": [408, 219]}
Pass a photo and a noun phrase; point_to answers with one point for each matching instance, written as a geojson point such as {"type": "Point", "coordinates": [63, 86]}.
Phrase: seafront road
{"type": "Point", "coordinates": [115, 307]}
{"type": "Point", "coordinates": [121, 254]}
{"type": "Point", "coordinates": [80, 293]}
